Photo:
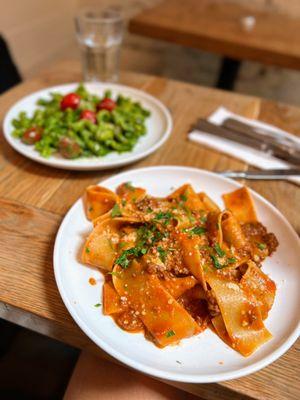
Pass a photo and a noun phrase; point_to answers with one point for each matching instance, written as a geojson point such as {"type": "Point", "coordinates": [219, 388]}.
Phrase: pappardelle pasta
{"type": "Point", "coordinates": [176, 265]}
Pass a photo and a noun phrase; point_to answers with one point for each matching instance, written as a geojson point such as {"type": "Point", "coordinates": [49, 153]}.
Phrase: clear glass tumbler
{"type": "Point", "coordinates": [100, 35]}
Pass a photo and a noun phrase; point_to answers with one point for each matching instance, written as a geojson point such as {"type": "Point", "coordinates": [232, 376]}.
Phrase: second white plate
{"type": "Point", "coordinates": [159, 126]}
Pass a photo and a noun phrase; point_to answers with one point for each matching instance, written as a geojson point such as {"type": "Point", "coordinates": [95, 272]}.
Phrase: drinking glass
{"type": "Point", "coordinates": [99, 34]}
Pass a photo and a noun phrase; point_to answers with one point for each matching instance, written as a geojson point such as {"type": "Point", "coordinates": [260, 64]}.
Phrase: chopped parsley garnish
{"type": "Point", "coordinates": [91, 209]}
{"type": "Point", "coordinates": [231, 260]}
{"type": "Point", "coordinates": [98, 305]}
{"type": "Point", "coordinates": [144, 236]}
{"type": "Point", "coordinates": [147, 236]}
{"type": "Point", "coordinates": [149, 210]}
{"type": "Point", "coordinates": [198, 230]}
{"type": "Point", "coordinates": [129, 186]}
{"type": "Point", "coordinates": [87, 250]}
{"type": "Point", "coordinates": [123, 202]}
{"type": "Point", "coordinates": [189, 214]}
{"type": "Point", "coordinates": [216, 262]}
{"type": "Point", "coordinates": [163, 217]}
{"type": "Point", "coordinates": [183, 196]}
{"type": "Point", "coordinates": [203, 219]}
{"type": "Point", "coordinates": [162, 253]}
{"type": "Point", "coordinates": [261, 246]}
{"type": "Point", "coordinates": [124, 259]}
{"type": "Point", "coordinates": [116, 212]}
{"type": "Point", "coordinates": [157, 236]}
{"type": "Point", "coordinates": [170, 333]}
{"type": "Point", "coordinates": [122, 244]}
{"type": "Point", "coordinates": [219, 251]}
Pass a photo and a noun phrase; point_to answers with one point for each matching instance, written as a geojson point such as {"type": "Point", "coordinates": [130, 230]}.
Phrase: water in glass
{"type": "Point", "coordinates": [100, 38]}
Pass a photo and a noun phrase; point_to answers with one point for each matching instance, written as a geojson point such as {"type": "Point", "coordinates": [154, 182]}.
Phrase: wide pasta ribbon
{"type": "Point", "coordinates": [165, 319]}
{"type": "Point", "coordinates": [242, 326]}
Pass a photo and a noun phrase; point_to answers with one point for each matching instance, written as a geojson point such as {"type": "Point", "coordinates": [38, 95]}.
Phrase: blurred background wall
{"type": "Point", "coordinates": [37, 31]}
{"type": "Point", "coordinates": [40, 32]}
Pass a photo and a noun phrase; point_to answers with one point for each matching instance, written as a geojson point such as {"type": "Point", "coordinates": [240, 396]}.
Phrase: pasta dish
{"type": "Point", "coordinates": [177, 265]}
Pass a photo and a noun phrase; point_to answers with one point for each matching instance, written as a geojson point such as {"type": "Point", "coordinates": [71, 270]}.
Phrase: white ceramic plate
{"type": "Point", "coordinates": [202, 358]}
{"type": "Point", "coordinates": [159, 126]}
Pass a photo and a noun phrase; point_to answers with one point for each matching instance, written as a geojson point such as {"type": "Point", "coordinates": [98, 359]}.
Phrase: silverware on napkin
{"type": "Point", "coordinates": [290, 143]}
{"type": "Point", "coordinates": [287, 152]}
{"type": "Point", "coordinates": [269, 174]}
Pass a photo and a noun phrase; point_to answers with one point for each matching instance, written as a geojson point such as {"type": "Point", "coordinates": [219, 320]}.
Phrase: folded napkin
{"type": "Point", "coordinates": [249, 155]}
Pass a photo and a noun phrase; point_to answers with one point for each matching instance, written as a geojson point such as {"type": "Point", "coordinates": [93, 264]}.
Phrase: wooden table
{"type": "Point", "coordinates": [215, 26]}
{"type": "Point", "coordinates": [34, 199]}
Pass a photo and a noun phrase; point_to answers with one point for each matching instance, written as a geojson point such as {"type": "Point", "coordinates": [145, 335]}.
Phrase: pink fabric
{"type": "Point", "coordinates": [97, 379]}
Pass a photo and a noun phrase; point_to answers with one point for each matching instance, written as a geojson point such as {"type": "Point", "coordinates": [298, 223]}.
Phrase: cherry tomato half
{"type": "Point", "coordinates": [68, 148]}
{"type": "Point", "coordinates": [70, 100]}
{"type": "Point", "coordinates": [107, 104]}
{"type": "Point", "coordinates": [32, 135]}
{"type": "Point", "coordinates": [89, 115]}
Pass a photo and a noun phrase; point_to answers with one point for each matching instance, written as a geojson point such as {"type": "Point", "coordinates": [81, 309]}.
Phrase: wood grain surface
{"type": "Point", "coordinates": [216, 26]}
{"type": "Point", "coordinates": [34, 199]}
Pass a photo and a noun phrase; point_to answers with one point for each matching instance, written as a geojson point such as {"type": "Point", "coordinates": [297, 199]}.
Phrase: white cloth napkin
{"type": "Point", "coordinates": [249, 155]}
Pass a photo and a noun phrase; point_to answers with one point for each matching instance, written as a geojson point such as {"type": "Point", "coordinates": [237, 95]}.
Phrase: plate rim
{"type": "Point", "coordinates": [50, 162]}
{"type": "Point", "coordinates": [172, 376]}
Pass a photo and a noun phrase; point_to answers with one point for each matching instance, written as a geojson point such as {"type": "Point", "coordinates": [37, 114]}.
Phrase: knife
{"type": "Point", "coordinates": [269, 174]}
{"type": "Point", "coordinates": [250, 141]}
